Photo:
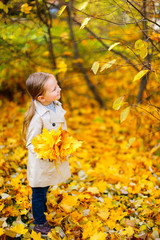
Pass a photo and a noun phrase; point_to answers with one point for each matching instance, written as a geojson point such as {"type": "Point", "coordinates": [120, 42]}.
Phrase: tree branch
{"type": "Point", "coordinates": [80, 66]}
{"type": "Point", "coordinates": [142, 14]}
{"type": "Point", "coordinates": [106, 46]}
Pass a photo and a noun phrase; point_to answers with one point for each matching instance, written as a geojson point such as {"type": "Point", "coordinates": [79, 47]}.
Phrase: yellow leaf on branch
{"type": "Point", "coordinates": [124, 114]}
{"type": "Point", "coordinates": [107, 65]}
{"type": "Point", "coordinates": [61, 10]}
{"type": "Point", "coordinates": [82, 6]}
{"type": "Point", "coordinates": [85, 22]}
{"type": "Point", "coordinates": [118, 103]}
{"type": "Point", "coordinates": [143, 52]}
{"type": "Point", "coordinates": [25, 8]}
{"type": "Point", "coordinates": [113, 45]}
{"type": "Point", "coordinates": [95, 67]}
{"type": "Point", "coordinates": [140, 75]}
{"type": "Point", "coordinates": [140, 44]}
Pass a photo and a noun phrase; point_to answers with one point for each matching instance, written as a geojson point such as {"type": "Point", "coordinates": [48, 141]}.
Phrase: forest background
{"type": "Point", "coordinates": [105, 56]}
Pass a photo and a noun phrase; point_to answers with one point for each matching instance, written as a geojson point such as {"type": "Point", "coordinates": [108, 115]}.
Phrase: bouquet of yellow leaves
{"type": "Point", "coordinates": [54, 145]}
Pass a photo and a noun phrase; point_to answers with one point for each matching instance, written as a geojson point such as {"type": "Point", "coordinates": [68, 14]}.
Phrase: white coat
{"type": "Point", "coordinates": [42, 173]}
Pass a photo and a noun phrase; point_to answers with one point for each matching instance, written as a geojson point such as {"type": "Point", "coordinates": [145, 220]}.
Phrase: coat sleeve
{"type": "Point", "coordinates": [35, 128]}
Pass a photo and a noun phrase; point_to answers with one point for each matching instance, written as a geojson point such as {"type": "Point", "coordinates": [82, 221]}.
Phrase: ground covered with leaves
{"type": "Point", "coordinates": [113, 192]}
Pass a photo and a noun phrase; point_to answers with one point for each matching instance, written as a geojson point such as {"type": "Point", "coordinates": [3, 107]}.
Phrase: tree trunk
{"type": "Point", "coordinates": [48, 23]}
{"type": "Point", "coordinates": [80, 65]}
{"type": "Point", "coordinates": [147, 61]}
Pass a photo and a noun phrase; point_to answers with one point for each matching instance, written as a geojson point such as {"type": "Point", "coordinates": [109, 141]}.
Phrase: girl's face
{"type": "Point", "coordinates": [52, 91]}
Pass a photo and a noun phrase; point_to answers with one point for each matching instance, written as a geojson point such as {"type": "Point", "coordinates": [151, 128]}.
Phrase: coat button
{"type": "Point", "coordinates": [53, 124]}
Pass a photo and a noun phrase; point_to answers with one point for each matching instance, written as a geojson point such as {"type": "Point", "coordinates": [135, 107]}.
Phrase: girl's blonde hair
{"type": "Point", "coordinates": [35, 87]}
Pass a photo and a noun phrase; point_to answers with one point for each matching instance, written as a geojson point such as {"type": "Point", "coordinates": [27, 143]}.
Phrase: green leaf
{"type": "Point", "coordinates": [118, 103]}
{"type": "Point", "coordinates": [95, 67]}
{"type": "Point", "coordinates": [140, 75]}
{"type": "Point", "coordinates": [124, 114]}
{"type": "Point", "coordinates": [98, 119]}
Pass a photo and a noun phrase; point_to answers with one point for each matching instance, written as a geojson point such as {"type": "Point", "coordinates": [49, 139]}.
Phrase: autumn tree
{"type": "Point", "coordinates": [116, 34]}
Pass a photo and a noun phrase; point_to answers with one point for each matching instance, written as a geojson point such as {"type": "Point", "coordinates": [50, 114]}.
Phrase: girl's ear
{"type": "Point", "coordinates": [41, 98]}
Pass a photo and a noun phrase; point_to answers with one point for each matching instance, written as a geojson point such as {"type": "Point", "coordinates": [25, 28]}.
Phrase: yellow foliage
{"type": "Point", "coordinates": [93, 190]}
{"type": "Point", "coordinates": [20, 229]}
{"type": "Point", "coordinates": [54, 145]}
{"type": "Point", "coordinates": [1, 181]}
{"type": "Point", "coordinates": [61, 65]}
{"type": "Point", "coordinates": [53, 234]}
{"type": "Point", "coordinates": [68, 203]}
{"type": "Point", "coordinates": [91, 228]}
{"type": "Point", "coordinates": [98, 236]}
{"type": "Point", "coordinates": [1, 231]}
{"type": "Point", "coordinates": [26, 8]}
{"type": "Point", "coordinates": [128, 231]}
{"type": "Point", "coordinates": [101, 185]}
{"type": "Point", "coordinates": [103, 213]}
{"type": "Point", "coordinates": [113, 189]}
{"type": "Point", "coordinates": [36, 236]}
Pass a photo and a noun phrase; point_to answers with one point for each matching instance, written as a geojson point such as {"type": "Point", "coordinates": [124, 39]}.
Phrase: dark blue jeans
{"type": "Point", "coordinates": [39, 199]}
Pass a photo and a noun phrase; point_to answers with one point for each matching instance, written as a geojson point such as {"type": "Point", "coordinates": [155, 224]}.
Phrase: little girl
{"type": "Point", "coordinates": [44, 112]}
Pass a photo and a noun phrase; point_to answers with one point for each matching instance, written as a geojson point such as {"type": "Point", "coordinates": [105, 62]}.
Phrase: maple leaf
{"type": "Point", "coordinates": [1, 231]}
{"type": "Point", "coordinates": [128, 231]}
{"type": "Point", "coordinates": [98, 236]}
{"type": "Point", "coordinates": [68, 203]}
{"type": "Point", "coordinates": [103, 214]}
{"type": "Point", "coordinates": [53, 145]}
{"type": "Point", "coordinates": [20, 229]}
{"type": "Point", "coordinates": [36, 236]}
{"type": "Point", "coordinates": [93, 190]}
{"type": "Point", "coordinates": [54, 235]}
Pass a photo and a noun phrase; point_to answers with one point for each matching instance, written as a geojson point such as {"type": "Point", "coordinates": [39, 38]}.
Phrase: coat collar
{"type": "Point", "coordinates": [41, 109]}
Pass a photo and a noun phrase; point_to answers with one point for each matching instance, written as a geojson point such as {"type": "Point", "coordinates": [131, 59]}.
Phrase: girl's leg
{"type": "Point", "coordinates": [39, 204]}
{"type": "Point", "coordinates": [45, 199]}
